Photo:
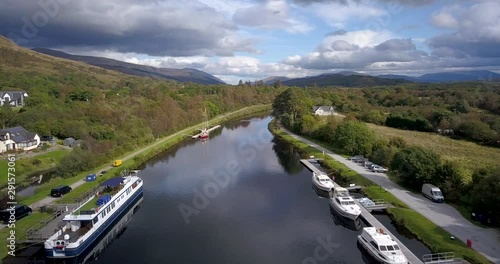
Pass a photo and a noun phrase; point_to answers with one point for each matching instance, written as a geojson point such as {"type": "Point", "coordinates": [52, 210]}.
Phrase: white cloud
{"type": "Point", "coordinates": [443, 20]}
{"type": "Point", "coordinates": [271, 15]}
{"type": "Point", "coordinates": [337, 14]}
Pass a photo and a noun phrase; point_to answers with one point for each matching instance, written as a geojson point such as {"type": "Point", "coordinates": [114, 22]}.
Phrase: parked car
{"type": "Point", "coordinates": [19, 212]}
{"type": "Point", "coordinates": [60, 191]}
{"type": "Point", "coordinates": [355, 158]}
{"type": "Point", "coordinates": [432, 192]}
{"type": "Point", "coordinates": [377, 168]}
{"type": "Point", "coordinates": [368, 164]}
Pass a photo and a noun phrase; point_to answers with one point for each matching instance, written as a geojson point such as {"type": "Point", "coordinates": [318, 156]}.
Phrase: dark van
{"type": "Point", "coordinates": [60, 191]}
{"type": "Point", "coordinates": [20, 211]}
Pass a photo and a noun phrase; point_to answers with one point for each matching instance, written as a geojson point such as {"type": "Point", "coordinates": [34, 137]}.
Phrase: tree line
{"type": "Point", "coordinates": [113, 117]}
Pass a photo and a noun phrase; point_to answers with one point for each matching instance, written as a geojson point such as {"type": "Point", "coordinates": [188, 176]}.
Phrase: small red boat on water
{"type": "Point", "coordinates": [204, 134]}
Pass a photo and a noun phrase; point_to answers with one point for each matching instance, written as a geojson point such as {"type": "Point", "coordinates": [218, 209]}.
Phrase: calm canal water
{"type": "Point", "coordinates": [240, 197]}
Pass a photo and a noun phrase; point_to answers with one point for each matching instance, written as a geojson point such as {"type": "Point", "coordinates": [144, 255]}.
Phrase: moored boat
{"type": "Point", "coordinates": [84, 225]}
{"type": "Point", "coordinates": [381, 246]}
{"type": "Point", "coordinates": [343, 203]}
{"type": "Point", "coordinates": [322, 182]}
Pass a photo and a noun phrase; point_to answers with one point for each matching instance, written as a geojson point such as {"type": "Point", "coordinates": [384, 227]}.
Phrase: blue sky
{"type": "Point", "coordinates": [255, 39]}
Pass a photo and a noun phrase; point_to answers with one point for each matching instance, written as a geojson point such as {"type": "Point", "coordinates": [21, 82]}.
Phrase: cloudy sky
{"type": "Point", "coordinates": [254, 39]}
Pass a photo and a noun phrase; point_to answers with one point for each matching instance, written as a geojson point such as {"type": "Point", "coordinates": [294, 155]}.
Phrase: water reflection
{"type": "Point", "coordinates": [339, 220]}
{"type": "Point", "coordinates": [288, 156]}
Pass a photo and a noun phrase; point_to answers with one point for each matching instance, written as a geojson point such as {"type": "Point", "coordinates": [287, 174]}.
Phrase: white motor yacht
{"type": "Point", "coordinates": [343, 203]}
{"type": "Point", "coordinates": [322, 182]}
{"type": "Point", "coordinates": [381, 246]}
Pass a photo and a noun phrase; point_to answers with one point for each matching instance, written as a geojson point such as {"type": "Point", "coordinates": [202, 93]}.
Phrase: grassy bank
{"type": "Point", "coordinates": [130, 161]}
{"type": "Point", "coordinates": [436, 238]}
{"type": "Point", "coordinates": [31, 165]}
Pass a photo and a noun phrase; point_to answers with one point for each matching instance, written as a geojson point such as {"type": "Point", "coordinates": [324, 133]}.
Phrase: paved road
{"type": "Point", "coordinates": [484, 240]}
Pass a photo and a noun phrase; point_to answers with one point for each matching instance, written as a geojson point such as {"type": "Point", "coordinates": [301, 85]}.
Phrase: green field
{"type": "Point", "coordinates": [469, 155]}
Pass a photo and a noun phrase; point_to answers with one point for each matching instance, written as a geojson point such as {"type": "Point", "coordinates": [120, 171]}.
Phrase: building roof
{"type": "Point", "coordinates": [325, 108]}
{"type": "Point", "coordinates": [18, 134]}
{"type": "Point", "coordinates": [14, 95]}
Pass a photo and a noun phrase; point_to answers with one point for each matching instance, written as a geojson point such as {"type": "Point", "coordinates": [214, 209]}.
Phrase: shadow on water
{"type": "Point", "coordinates": [288, 156]}
{"type": "Point", "coordinates": [354, 225]}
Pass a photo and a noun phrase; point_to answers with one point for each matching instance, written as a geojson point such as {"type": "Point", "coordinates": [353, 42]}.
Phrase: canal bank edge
{"type": "Point", "coordinates": [131, 161]}
{"type": "Point", "coordinates": [438, 240]}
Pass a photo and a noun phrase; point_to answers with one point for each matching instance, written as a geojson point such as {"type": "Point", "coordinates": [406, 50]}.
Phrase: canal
{"type": "Point", "coordinates": [240, 197]}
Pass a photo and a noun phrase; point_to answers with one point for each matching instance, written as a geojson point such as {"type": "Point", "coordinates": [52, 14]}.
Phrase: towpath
{"type": "Point", "coordinates": [49, 200]}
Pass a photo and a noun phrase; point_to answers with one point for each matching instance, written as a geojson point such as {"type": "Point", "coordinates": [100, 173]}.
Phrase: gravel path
{"type": "Point", "coordinates": [484, 240]}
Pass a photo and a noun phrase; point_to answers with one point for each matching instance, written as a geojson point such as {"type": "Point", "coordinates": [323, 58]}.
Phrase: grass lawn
{"type": "Point", "coordinates": [470, 155]}
{"type": "Point", "coordinates": [31, 165]}
{"type": "Point", "coordinates": [436, 238]}
{"type": "Point", "coordinates": [21, 225]}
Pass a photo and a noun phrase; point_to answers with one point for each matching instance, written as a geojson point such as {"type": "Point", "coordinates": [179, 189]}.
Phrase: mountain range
{"type": "Point", "coordinates": [181, 75]}
{"type": "Point", "coordinates": [457, 76]}
{"type": "Point", "coordinates": [355, 79]}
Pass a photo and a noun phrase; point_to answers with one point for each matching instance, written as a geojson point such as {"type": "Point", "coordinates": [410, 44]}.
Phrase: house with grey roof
{"type": "Point", "coordinates": [13, 98]}
{"type": "Point", "coordinates": [18, 138]}
{"type": "Point", "coordinates": [323, 110]}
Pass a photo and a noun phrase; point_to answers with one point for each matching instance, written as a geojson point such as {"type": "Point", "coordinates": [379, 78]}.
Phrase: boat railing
{"type": "Point", "coordinates": [442, 258]}
{"type": "Point", "coordinates": [32, 233]}
{"type": "Point", "coordinates": [379, 202]}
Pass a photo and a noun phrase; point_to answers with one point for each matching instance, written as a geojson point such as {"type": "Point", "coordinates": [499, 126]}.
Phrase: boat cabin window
{"type": "Point", "coordinates": [396, 247]}
{"type": "Point", "coordinates": [390, 248]}
{"type": "Point", "coordinates": [86, 223]}
{"type": "Point", "coordinates": [95, 220]}
{"type": "Point", "coordinates": [383, 248]}
{"type": "Point", "coordinates": [374, 244]}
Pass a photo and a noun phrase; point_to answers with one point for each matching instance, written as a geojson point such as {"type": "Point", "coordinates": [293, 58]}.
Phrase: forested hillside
{"type": "Point", "coordinates": [110, 111]}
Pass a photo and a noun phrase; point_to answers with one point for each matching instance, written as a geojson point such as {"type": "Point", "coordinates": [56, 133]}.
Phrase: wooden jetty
{"type": "Point", "coordinates": [372, 221]}
{"type": "Point", "coordinates": [208, 130]}
{"type": "Point", "coordinates": [311, 167]}
{"type": "Point", "coordinates": [369, 218]}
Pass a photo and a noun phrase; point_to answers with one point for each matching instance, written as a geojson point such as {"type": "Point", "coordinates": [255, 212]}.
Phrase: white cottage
{"type": "Point", "coordinates": [323, 110]}
{"type": "Point", "coordinates": [13, 98]}
{"type": "Point", "coordinates": [18, 138]}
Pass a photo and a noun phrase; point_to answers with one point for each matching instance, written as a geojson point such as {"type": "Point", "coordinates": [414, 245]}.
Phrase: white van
{"type": "Point", "coordinates": [432, 192]}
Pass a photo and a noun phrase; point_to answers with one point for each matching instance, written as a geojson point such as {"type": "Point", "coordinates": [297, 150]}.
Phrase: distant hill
{"type": "Point", "coordinates": [343, 79]}
{"type": "Point", "coordinates": [181, 75]}
{"type": "Point", "coordinates": [458, 76]}
{"type": "Point", "coordinates": [273, 79]}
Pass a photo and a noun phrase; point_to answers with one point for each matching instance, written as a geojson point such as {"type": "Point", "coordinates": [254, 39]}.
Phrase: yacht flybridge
{"type": "Point", "coordinates": [381, 246]}
{"type": "Point", "coordinates": [343, 203]}
{"type": "Point", "coordinates": [322, 182]}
